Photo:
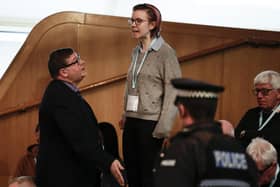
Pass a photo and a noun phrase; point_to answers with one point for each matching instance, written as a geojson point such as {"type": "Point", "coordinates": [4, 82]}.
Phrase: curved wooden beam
{"type": "Point", "coordinates": [208, 51]}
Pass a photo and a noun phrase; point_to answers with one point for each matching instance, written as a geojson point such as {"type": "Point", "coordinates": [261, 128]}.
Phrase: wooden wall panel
{"type": "Point", "coordinates": [16, 134]}
{"type": "Point", "coordinates": [208, 68]}
{"type": "Point", "coordinates": [190, 43]}
{"type": "Point", "coordinates": [106, 51]}
{"type": "Point", "coordinates": [32, 78]}
{"type": "Point", "coordinates": [107, 103]}
{"type": "Point", "coordinates": [105, 43]}
{"type": "Point", "coordinates": [241, 65]}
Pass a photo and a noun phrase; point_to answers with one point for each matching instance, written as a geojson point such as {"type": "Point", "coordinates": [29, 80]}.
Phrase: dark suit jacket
{"type": "Point", "coordinates": [70, 150]}
{"type": "Point", "coordinates": [247, 129]}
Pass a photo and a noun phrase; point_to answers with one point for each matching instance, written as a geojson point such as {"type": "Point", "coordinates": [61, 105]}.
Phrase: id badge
{"type": "Point", "coordinates": [132, 103]}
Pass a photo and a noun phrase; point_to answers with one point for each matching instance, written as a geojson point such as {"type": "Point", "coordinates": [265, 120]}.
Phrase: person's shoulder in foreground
{"type": "Point", "coordinates": [201, 155]}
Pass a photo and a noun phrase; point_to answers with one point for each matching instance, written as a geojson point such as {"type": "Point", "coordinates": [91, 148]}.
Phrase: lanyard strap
{"type": "Point", "coordinates": [275, 177]}
{"type": "Point", "coordinates": [136, 72]}
{"type": "Point", "coordinates": [261, 126]}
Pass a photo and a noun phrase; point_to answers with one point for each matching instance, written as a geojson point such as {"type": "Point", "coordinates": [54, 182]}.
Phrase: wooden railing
{"type": "Point", "coordinates": [208, 51]}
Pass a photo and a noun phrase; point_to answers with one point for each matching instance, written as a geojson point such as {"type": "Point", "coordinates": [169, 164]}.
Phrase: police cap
{"type": "Point", "coordinates": [188, 88]}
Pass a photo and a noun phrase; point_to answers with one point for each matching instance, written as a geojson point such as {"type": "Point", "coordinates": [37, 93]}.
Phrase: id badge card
{"type": "Point", "coordinates": [132, 103]}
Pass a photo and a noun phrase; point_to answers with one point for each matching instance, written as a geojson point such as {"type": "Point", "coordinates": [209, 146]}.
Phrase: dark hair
{"type": "Point", "coordinates": [57, 60]}
{"type": "Point", "coordinates": [154, 15]}
{"type": "Point", "coordinates": [200, 110]}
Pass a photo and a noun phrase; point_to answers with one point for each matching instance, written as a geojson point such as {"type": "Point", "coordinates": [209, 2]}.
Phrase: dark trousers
{"type": "Point", "coordinates": [140, 150]}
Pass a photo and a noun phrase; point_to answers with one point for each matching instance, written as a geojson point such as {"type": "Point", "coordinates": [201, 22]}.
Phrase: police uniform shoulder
{"type": "Point", "coordinates": [189, 133]}
{"type": "Point", "coordinates": [184, 132]}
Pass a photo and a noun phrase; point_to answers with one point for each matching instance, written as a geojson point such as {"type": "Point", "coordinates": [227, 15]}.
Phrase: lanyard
{"type": "Point", "coordinates": [261, 126]}
{"type": "Point", "coordinates": [134, 72]}
{"type": "Point", "coordinates": [275, 177]}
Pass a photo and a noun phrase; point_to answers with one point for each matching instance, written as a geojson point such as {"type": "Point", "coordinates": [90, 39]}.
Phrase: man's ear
{"type": "Point", "coordinates": [183, 112]}
{"type": "Point", "coordinates": [185, 115]}
{"type": "Point", "coordinates": [63, 72]}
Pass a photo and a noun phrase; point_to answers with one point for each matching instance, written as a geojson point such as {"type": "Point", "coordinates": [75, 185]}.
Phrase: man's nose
{"type": "Point", "coordinates": [259, 94]}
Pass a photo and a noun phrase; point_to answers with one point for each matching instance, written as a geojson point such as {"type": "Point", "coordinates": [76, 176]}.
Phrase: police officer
{"type": "Point", "coordinates": [201, 155]}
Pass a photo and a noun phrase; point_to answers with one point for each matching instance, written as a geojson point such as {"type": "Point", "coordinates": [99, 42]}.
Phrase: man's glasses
{"type": "Point", "coordinates": [263, 91]}
{"type": "Point", "coordinates": [137, 21]}
{"type": "Point", "coordinates": [72, 63]}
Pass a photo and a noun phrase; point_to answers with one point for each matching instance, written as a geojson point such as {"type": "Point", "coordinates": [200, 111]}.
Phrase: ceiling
{"type": "Point", "coordinates": [17, 17]}
{"type": "Point", "coordinates": [255, 14]}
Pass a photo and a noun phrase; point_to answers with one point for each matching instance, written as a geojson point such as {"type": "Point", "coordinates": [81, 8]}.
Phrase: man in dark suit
{"type": "Point", "coordinates": [70, 150]}
{"type": "Point", "coordinates": [263, 120]}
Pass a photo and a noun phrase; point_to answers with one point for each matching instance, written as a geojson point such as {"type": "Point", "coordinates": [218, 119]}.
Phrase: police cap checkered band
{"type": "Point", "coordinates": [189, 88]}
{"type": "Point", "coordinates": [197, 94]}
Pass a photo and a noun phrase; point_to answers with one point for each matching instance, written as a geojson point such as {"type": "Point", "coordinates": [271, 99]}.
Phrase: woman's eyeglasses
{"type": "Point", "coordinates": [137, 21]}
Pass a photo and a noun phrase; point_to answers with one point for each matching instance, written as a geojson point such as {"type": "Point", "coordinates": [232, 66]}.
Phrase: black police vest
{"type": "Point", "coordinates": [226, 163]}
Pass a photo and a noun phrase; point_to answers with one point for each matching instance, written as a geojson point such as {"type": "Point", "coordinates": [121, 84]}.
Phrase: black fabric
{"type": "Point", "coordinates": [190, 158]}
{"type": "Point", "coordinates": [69, 143]}
{"type": "Point", "coordinates": [235, 163]}
{"type": "Point", "coordinates": [247, 129]}
{"type": "Point", "coordinates": [110, 138]}
{"type": "Point", "coordinates": [190, 84]}
{"type": "Point", "coordinates": [140, 150]}
{"type": "Point", "coordinates": [110, 145]}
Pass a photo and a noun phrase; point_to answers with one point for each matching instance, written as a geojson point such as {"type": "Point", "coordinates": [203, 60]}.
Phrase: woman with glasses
{"type": "Point", "coordinates": [148, 104]}
{"type": "Point", "coordinates": [263, 120]}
